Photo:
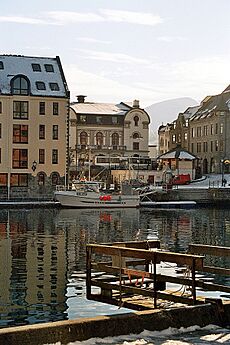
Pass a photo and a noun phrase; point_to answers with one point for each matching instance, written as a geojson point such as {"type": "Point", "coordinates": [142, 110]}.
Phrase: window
{"type": "Point", "coordinates": [19, 180]}
{"type": "Point", "coordinates": [136, 136]}
{"type": "Point", "coordinates": [41, 179]}
{"type": "Point", "coordinates": [216, 130]}
{"type": "Point", "coordinates": [54, 86]}
{"type": "Point", "coordinates": [99, 119]}
{"type": "Point", "coordinates": [40, 85]}
{"type": "Point", "coordinates": [36, 67]}
{"type": "Point", "coordinates": [83, 138]}
{"type": "Point", "coordinates": [20, 86]}
{"type": "Point", "coordinates": [1, 65]}
{"type": "Point", "coordinates": [136, 146]}
{"type": "Point", "coordinates": [115, 139]}
{"type": "Point", "coordinates": [54, 156]}
{"type": "Point", "coordinates": [0, 155]}
{"type": "Point", "coordinates": [211, 129]}
{"type": "Point", "coordinates": [186, 123]}
{"type": "Point", "coordinates": [20, 158]}
{"type": "Point", "coordinates": [49, 68]}
{"type": "Point", "coordinates": [114, 120]}
{"type": "Point", "coordinates": [82, 118]}
{"type": "Point", "coordinates": [99, 139]}
{"type": "Point", "coordinates": [221, 128]}
{"type": "Point", "coordinates": [55, 132]}
{"type": "Point", "coordinates": [199, 131]}
{"type": "Point", "coordinates": [198, 147]}
{"type": "Point", "coordinates": [3, 179]}
{"type": "Point", "coordinates": [174, 138]}
{"type": "Point", "coordinates": [20, 134]}
{"type": "Point", "coordinates": [20, 110]}
{"type": "Point", "coordinates": [42, 108]}
{"type": "Point", "coordinates": [205, 146]}
{"type": "Point", "coordinates": [206, 130]}
{"type": "Point", "coordinates": [192, 147]}
{"type": "Point", "coordinates": [41, 131]}
{"type": "Point", "coordinates": [193, 132]}
{"type": "Point", "coordinates": [55, 108]}
{"type": "Point", "coordinates": [216, 145]}
{"type": "Point", "coordinates": [0, 130]}
{"type": "Point", "coordinates": [211, 149]}
{"type": "Point", "coordinates": [41, 156]}
{"type": "Point", "coordinates": [136, 120]}
{"type": "Point", "coordinates": [186, 136]}
{"type": "Point", "coordinates": [0, 107]}
{"type": "Point", "coordinates": [54, 179]}
{"type": "Point", "coordinates": [221, 145]}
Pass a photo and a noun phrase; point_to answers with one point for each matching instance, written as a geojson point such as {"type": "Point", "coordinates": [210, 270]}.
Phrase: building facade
{"type": "Point", "coordinates": [106, 130]}
{"type": "Point", "coordinates": [203, 130]}
{"type": "Point", "coordinates": [34, 102]}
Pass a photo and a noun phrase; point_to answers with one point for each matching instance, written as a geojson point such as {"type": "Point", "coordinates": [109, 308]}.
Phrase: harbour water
{"type": "Point", "coordinates": [42, 254]}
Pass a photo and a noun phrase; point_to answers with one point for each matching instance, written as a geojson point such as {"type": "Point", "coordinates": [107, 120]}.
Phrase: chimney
{"type": "Point", "coordinates": [81, 99]}
{"type": "Point", "coordinates": [136, 103]}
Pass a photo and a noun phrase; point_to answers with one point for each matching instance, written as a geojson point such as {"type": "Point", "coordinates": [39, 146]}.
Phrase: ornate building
{"type": "Point", "coordinates": [105, 129]}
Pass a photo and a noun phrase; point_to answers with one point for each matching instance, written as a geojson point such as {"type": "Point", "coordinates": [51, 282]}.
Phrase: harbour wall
{"type": "Point", "coordinates": [203, 196]}
{"type": "Point", "coordinates": [103, 326]}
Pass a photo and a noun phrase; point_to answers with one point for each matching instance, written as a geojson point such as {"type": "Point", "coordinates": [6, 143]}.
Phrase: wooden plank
{"type": "Point", "coordinates": [155, 256]}
{"type": "Point", "coordinates": [216, 270]}
{"type": "Point", "coordinates": [212, 287]}
{"type": "Point", "coordinates": [209, 250]}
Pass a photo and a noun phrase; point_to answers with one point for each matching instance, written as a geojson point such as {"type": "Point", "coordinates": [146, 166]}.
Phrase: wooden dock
{"type": "Point", "coordinates": [129, 275]}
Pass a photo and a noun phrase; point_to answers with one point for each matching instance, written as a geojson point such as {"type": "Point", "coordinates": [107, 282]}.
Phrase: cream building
{"type": "Point", "coordinates": [34, 102]}
{"type": "Point", "coordinates": [106, 130]}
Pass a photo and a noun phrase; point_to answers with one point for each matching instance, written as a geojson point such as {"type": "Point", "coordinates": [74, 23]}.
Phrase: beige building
{"type": "Point", "coordinates": [101, 133]}
{"type": "Point", "coordinates": [34, 102]}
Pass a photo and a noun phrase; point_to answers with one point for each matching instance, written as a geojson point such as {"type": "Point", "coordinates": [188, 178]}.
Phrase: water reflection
{"type": "Point", "coordinates": [42, 252]}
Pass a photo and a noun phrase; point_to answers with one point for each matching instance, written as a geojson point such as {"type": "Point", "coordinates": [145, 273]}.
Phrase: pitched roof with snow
{"type": "Point", "coordinates": [177, 153]}
{"type": "Point", "coordinates": [47, 71]}
{"type": "Point", "coordinates": [100, 108]}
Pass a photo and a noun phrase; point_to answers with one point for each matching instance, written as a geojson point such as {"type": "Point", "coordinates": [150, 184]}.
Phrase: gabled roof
{"type": "Point", "coordinates": [213, 103]}
{"type": "Point", "coordinates": [178, 153]}
{"type": "Point", "coordinates": [13, 65]}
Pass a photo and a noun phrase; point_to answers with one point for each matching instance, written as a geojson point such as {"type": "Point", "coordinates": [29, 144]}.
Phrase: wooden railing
{"type": "Point", "coordinates": [121, 270]}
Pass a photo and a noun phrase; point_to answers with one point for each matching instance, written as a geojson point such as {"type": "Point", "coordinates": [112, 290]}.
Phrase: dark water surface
{"type": "Point", "coordinates": [42, 253]}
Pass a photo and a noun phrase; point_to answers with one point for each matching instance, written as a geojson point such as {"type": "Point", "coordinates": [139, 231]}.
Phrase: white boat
{"type": "Point", "coordinates": [86, 194]}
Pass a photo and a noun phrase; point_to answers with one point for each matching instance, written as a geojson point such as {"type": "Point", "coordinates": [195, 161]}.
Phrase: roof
{"type": "Point", "coordinates": [177, 153]}
{"type": "Point", "coordinates": [100, 108]}
{"type": "Point", "coordinates": [219, 102]}
{"type": "Point", "coordinates": [13, 65]}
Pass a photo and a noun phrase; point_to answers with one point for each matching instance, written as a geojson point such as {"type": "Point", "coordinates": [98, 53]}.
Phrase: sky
{"type": "Point", "coordinates": [121, 50]}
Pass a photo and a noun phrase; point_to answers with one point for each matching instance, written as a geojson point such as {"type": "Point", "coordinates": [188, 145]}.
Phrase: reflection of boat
{"type": "Point", "coordinates": [87, 194]}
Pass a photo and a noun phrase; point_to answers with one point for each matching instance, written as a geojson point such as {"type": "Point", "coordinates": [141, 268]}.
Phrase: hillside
{"type": "Point", "coordinates": [166, 111]}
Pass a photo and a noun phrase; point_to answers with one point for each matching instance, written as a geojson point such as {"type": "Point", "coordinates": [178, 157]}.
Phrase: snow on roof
{"type": "Point", "coordinates": [100, 108]}
{"type": "Point", "coordinates": [177, 154]}
{"type": "Point", "coordinates": [13, 65]}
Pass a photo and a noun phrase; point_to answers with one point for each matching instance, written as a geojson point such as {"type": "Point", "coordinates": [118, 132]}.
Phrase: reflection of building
{"type": "Point", "coordinates": [102, 129]}
{"type": "Point", "coordinates": [33, 267]}
{"type": "Point", "coordinates": [33, 124]}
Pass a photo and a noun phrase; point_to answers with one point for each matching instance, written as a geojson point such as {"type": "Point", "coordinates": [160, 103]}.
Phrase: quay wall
{"type": "Point", "coordinates": [203, 196]}
{"type": "Point", "coordinates": [103, 326]}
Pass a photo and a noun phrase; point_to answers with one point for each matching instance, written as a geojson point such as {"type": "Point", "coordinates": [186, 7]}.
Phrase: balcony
{"type": "Point", "coordinates": [100, 148]}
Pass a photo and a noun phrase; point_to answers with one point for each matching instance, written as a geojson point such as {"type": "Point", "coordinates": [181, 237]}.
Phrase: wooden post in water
{"type": "Point", "coordinates": [88, 271]}
{"type": "Point", "coordinates": [193, 280]}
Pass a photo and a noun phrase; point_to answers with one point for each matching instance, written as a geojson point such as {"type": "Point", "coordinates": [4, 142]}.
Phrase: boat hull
{"type": "Point", "coordinates": [87, 200]}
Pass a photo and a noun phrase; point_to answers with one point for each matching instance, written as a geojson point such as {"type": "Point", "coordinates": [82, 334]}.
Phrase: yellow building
{"type": "Point", "coordinates": [34, 100]}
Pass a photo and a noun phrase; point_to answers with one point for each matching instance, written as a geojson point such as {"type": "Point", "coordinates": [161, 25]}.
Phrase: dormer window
{"type": "Point", "coordinates": [1, 65]}
{"type": "Point", "coordinates": [36, 67]}
{"type": "Point", "coordinates": [20, 85]}
{"type": "Point", "coordinates": [54, 86]}
{"type": "Point", "coordinates": [49, 68]}
{"type": "Point", "coordinates": [40, 85]}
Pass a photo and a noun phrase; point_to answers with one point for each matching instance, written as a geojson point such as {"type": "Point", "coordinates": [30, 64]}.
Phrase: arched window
{"type": "Point", "coordinates": [83, 138]}
{"type": "Point", "coordinates": [115, 139]}
{"type": "Point", "coordinates": [55, 178]}
{"type": "Point", "coordinates": [41, 178]}
{"type": "Point", "coordinates": [136, 136]}
{"type": "Point", "coordinates": [99, 139]}
{"type": "Point", "coordinates": [136, 120]}
{"type": "Point", "coordinates": [20, 86]}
